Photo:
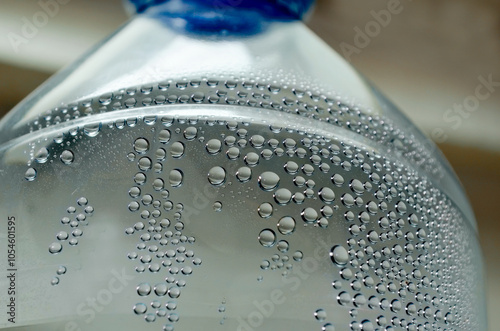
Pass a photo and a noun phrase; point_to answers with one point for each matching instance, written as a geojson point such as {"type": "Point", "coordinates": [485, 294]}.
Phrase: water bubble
{"type": "Point", "coordinates": [283, 246]}
{"type": "Point", "coordinates": [67, 156]}
{"type": "Point", "coordinates": [176, 177]}
{"type": "Point", "coordinates": [143, 289]}
{"type": "Point", "coordinates": [338, 180]}
{"type": "Point", "coordinates": [217, 175]}
{"type": "Point", "coordinates": [339, 255]}
{"type": "Point", "coordinates": [164, 136]}
{"type": "Point", "coordinates": [282, 196]}
{"type": "Point", "coordinates": [42, 155]}
{"type": "Point", "coordinates": [291, 167]}
{"type": "Point", "coordinates": [54, 281]}
{"type": "Point", "coordinates": [286, 225]}
{"type": "Point", "coordinates": [328, 327]}
{"type": "Point", "coordinates": [213, 146]}
{"type": "Point", "coordinates": [141, 145]}
{"type": "Point", "coordinates": [61, 270]}
{"type": "Point", "coordinates": [326, 194]}
{"type": "Point", "coordinates": [298, 255]}
{"type": "Point", "coordinates": [62, 235]}
{"type": "Point", "coordinates": [265, 210]}
{"type": "Point", "coordinates": [174, 292]}
{"type": "Point", "coordinates": [320, 315]}
{"type": "Point", "coordinates": [357, 186]}
{"type": "Point", "coordinates": [309, 215]}
{"type": "Point", "coordinates": [268, 180]}
{"type": "Point", "coordinates": [267, 238]}
{"type": "Point", "coordinates": [55, 248]}
{"type": "Point", "coordinates": [344, 298]}
{"type": "Point", "coordinates": [257, 141]}
{"type": "Point", "coordinates": [158, 184]}
{"type": "Point", "coordinates": [161, 289]}
{"type": "Point", "coordinates": [177, 149]}
{"type": "Point", "coordinates": [144, 163]}
{"type": "Point", "coordinates": [30, 174]}
{"type": "Point", "coordinates": [217, 206]}
{"type": "Point", "coordinates": [264, 265]}
{"type": "Point", "coordinates": [190, 133]}
{"type": "Point", "coordinates": [252, 159]}
{"type": "Point", "coordinates": [244, 174]}
{"type": "Point", "coordinates": [140, 309]}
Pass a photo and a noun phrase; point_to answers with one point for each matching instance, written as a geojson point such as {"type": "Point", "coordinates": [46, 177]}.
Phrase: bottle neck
{"type": "Point", "coordinates": [222, 17]}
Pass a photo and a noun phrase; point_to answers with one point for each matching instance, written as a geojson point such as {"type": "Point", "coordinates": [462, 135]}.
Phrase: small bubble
{"type": "Point", "coordinates": [62, 235]}
{"type": "Point", "coordinates": [61, 270]}
{"type": "Point", "coordinates": [265, 210]}
{"type": "Point", "coordinates": [174, 292]}
{"type": "Point", "coordinates": [298, 255]}
{"type": "Point", "coordinates": [328, 327]}
{"type": "Point", "coordinates": [217, 206]}
{"type": "Point", "coordinates": [143, 289]}
{"type": "Point", "coordinates": [213, 146]}
{"type": "Point", "coordinates": [190, 133]}
{"type": "Point", "coordinates": [339, 255]}
{"type": "Point", "coordinates": [54, 281]}
{"type": "Point", "coordinates": [177, 149]}
{"type": "Point", "coordinates": [267, 238]}
{"type": "Point", "coordinates": [30, 174]}
{"type": "Point", "coordinates": [164, 136]}
{"type": "Point", "coordinates": [42, 155]}
{"type": "Point", "coordinates": [176, 177]}
{"type": "Point", "coordinates": [283, 196]}
{"type": "Point", "coordinates": [286, 225]}
{"type": "Point", "coordinates": [161, 289]}
{"type": "Point", "coordinates": [320, 315]}
{"type": "Point", "coordinates": [140, 309]}
{"type": "Point", "coordinates": [244, 174]}
{"type": "Point", "coordinates": [309, 215]}
{"type": "Point", "coordinates": [141, 145]}
{"type": "Point", "coordinates": [55, 248]}
{"type": "Point", "coordinates": [67, 157]}
{"type": "Point", "coordinates": [217, 175]}
{"type": "Point", "coordinates": [283, 246]}
{"type": "Point", "coordinates": [268, 180]}
{"type": "Point", "coordinates": [252, 159]}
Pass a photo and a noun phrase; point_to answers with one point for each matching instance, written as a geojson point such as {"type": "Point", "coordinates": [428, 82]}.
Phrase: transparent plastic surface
{"type": "Point", "coordinates": [170, 181]}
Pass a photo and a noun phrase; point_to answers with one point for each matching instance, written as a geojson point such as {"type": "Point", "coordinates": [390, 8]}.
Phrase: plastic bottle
{"type": "Point", "coordinates": [214, 165]}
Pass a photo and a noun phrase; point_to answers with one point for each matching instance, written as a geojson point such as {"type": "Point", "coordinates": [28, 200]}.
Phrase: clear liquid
{"type": "Point", "coordinates": [180, 220]}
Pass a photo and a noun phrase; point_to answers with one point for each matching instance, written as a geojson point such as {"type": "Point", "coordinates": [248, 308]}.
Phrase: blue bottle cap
{"type": "Point", "coordinates": [223, 16]}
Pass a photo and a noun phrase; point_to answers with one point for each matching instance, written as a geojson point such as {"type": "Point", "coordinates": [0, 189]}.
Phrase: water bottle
{"type": "Point", "coordinates": [214, 165]}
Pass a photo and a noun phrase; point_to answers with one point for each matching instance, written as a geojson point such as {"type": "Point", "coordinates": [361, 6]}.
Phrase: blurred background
{"type": "Point", "coordinates": [430, 57]}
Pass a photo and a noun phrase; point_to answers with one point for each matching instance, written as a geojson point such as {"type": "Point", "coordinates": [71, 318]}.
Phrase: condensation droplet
{"type": "Point", "coordinates": [320, 315]}
{"type": "Point", "coordinates": [141, 145]}
{"type": "Point", "coordinates": [265, 210]}
{"type": "Point", "coordinates": [244, 174]}
{"type": "Point", "coordinates": [268, 180]}
{"type": "Point", "coordinates": [30, 174]}
{"type": "Point", "coordinates": [286, 225]}
{"type": "Point", "coordinates": [55, 248]}
{"type": "Point", "coordinates": [339, 255]}
{"type": "Point", "coordinates": [67, 157]}
{"type": "Point", "coordinates": [140, 309]}
{"type": "Point", "coordinates": [177, 149]}
{"type": "Point", "coordinates": [176, 177]}
{"type": "Point", "coordinates": [164, 136]}
{"type": "Point", "coordinates": [217, 206]}
{"type": "Point", "coordinates": [267, 238]}
{"type": "Point", "coordinates": [143, 289]}
{"type": "Point", "coordinates": [42, 155]}
{"type": "Point", "coordinates": [217, 175]}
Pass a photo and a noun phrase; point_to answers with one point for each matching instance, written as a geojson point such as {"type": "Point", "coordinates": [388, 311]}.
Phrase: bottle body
{"type": "Point", "coordinates": [234, 192]}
